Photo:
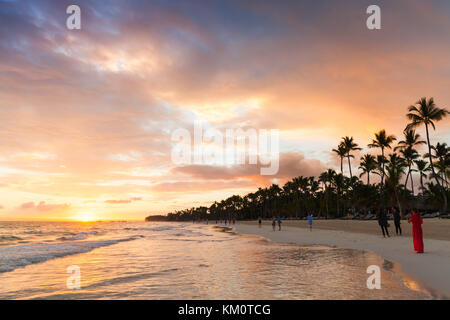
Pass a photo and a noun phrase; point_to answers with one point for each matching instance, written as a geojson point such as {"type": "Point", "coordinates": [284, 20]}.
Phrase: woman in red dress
{"type": "Point", "coordinates": [417, 221]}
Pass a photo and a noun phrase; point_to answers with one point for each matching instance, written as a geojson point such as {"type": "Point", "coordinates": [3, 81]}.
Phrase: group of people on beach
{"type": "Point", "coordinates": [277, 220]}
{"type": "Point", "coordinates": [415, 219]}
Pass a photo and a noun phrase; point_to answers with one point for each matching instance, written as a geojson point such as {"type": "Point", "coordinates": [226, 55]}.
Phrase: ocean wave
{"type": "Point", "coordinates": [149, 229]}
{"type": "Point", "coordinates": [78, 236]}
{"type": "Point", "coordinates": [9, 238]}
{"type": "Point", "coordinates": [23, 255]}
{"type": "Point", "coordinates": [34, 232]}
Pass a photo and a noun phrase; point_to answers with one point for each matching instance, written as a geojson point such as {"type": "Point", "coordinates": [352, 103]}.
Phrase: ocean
{"type": "Point", "coordinates": [162, 260]}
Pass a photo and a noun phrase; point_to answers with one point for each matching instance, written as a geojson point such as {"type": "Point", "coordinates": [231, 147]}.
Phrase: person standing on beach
{"type": "Point", "coordinates": [417, 221]}
{"type": "Point", "coordinates": [397, 219]}
{"type": "Point", "coordinates": [273, 223]}
{"type": "Point", "coordinates": [310, 221]}
{"type": "Point", "coordinates": [279, 223]}
{"type": "Point", "coordinates": [259, 221]}
{"type": "Point", "coordinates": [383, 222]}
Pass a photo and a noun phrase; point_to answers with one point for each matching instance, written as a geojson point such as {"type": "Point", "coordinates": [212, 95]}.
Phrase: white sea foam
{"type": "Point", "coordinates": [23, 255]}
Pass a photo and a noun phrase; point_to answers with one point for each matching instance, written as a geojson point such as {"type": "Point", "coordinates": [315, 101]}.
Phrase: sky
{"type": "Point", "coordinates": [87, 116]}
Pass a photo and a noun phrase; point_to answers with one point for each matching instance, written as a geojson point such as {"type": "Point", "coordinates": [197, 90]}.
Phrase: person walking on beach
{"type": "Point", "coordinates": [383, 222]}
{"type": "Point", "coordinates": [279, 223]}
{"type": "Point", "coordinates": [397, 219]}
{"type": "Point", "coordinates": [417, 221]}
{"type": "Point", "coordinates": [273, 223]}
{"type": "Point", "coordinates": [310, 221]}
{"type": "Point", "coordinates": [259, 221]}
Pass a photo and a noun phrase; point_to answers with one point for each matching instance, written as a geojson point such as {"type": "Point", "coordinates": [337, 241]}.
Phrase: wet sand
{"type": "Point", "coordinates": [431, 268]}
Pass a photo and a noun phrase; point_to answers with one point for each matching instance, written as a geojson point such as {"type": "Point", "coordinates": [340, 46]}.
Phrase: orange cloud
{"type": "Point", "coordinates": [43, 207]}
{"type": "Point", "coordinates": [123, 201]}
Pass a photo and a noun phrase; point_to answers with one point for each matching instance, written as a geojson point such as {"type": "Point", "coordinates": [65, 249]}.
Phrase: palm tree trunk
{"type": "Point", "coordinates": [421, 181]}
{"type": "Point", "coordinates": [342, 168]}
{"type": "Point", "coordinates": [368, 177]}
{"type": "Point", "coordinates": [398, 203]}
{"type": "Point", "coordinates": [444, 195]}
{"type": "Point", "coordinates": [407, 178]}
{"type": "Point", "coordinates": [382, 167]}
{"type": "Point", "coordinates": [349, 166]}
{"type": "Point", "coordinates": [412, 183]}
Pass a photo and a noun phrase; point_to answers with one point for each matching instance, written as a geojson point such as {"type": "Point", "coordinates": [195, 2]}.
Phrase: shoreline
{"type": "Point", "coordinates": [428, 269]}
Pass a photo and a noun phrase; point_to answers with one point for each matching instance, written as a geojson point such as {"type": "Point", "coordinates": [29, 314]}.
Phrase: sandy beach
{"type": "Point", "coordinates": [430, 269]}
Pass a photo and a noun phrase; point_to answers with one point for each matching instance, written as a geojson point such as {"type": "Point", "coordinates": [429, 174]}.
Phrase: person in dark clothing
{"type": "Point", "coordinates": [397, 219]}
{"type": "Point", "coordinates": [383, 222]}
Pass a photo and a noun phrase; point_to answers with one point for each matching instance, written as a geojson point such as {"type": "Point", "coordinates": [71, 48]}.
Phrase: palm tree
{"type": "Point", "coordinates": [327, 179]}
{"type": "Point", "coordinates": [349, 146]}
{"type": "Point", "coordinates": [382, 140]}
{"type": "Point", "coordinates": [410, 156]}
{"type": "Point", "coordinates": [395, 170]}
{"type": "Point", "coordinates": [341, 151]}
{"type": "Point", "coordinates": [406, 147]}
{"type": "Point", "coordinates": [339, 183]}
{"type": "Point", "coordinates": [426, 113]}
{"type": "Point", "coordinates": [440, 151]}
{"type": "Point", "coordinates": [367, 165]}
{"type": "Point", "coordinates": [442, 154]}
{"type": "Point", "coordinates": [412, 139]}
{"type": "Point", "coordinates": [422, 167]}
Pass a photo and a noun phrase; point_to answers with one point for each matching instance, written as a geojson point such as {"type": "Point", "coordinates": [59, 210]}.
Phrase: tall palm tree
{"type": "Point", "coordinates": [367, 165]}
{"type": "Point", "coordinates": [426, 113]}
{"type": "Point", "coordinates": [341, 151]}
{"type": "Point", "coordinates": [349, 146]}
{"type": "Point", "coordinates": [382, 140]}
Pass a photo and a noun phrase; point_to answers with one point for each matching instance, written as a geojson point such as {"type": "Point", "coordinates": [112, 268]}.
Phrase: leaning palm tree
{"type": "Point", "coordinates": [382, 140]}
{"type": "Point", "coordinates": [426, 113]}
{"type": "Point", "coordinates": [341, 151]}
{"type": "Point", "coordinates": [367, 165]}
{"type": "Point", "coordinates": [350, 146]}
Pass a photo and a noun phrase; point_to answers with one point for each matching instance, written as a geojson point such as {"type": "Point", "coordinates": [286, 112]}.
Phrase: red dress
{"type": "Point", "coordinates": [417, 221]}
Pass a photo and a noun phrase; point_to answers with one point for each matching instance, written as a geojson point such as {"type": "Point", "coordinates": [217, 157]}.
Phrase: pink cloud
{"type": "Point", "coordinates": [123, 201]}
{"type": "Point", "coordinates": [185, 187]}
{"type": "Point", "coordinates": [43, 207]}
{"type": "Point", "coordinates": [291, 165]}
{"type": "Point", "coordinates": [117, 201]}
